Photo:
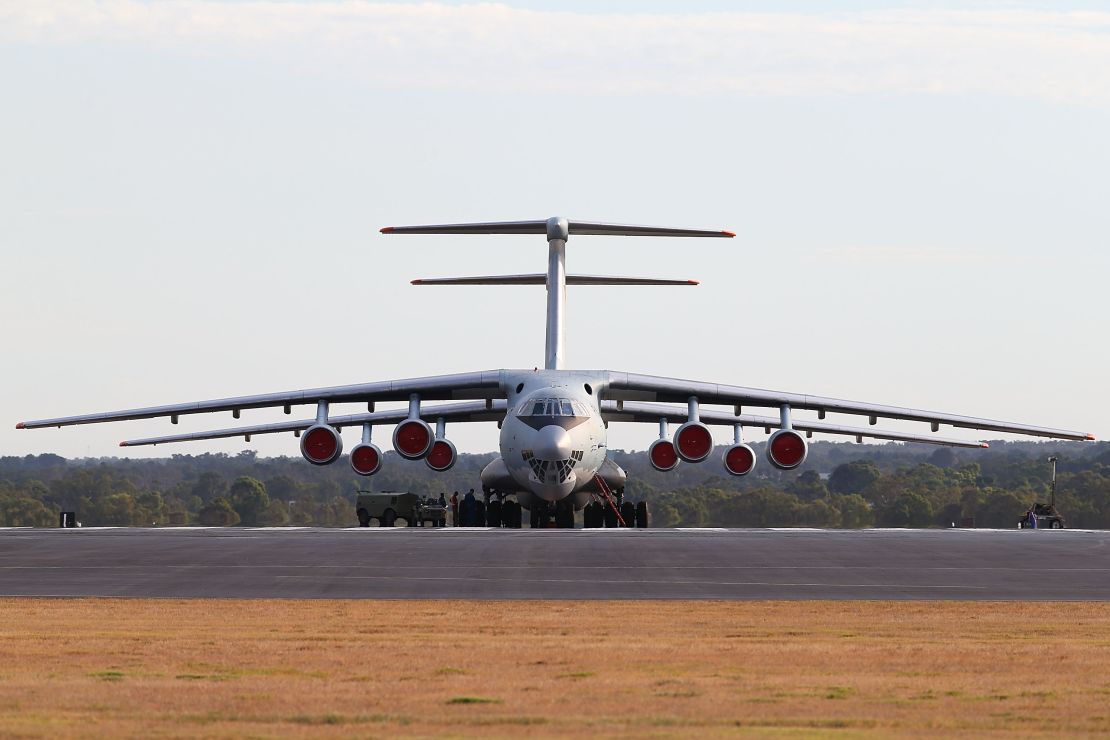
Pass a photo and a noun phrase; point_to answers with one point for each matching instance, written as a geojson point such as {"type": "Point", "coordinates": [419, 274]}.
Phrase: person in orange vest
{"type": "Point", "coordinates": [455, 509]}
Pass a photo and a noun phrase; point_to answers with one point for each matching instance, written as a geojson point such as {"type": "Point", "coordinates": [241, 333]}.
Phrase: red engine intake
{"type": "Point", "coordinates": [442, 456]}
{"type": "Point", "coordinates": [366, 459]}
{"type": "Point", "coordinates": [786, 449]}
{"type": "Point", "coordinates": [321, 444]}
{"type": "Point", "coordinates": [693, 442]}
{"type": "Point", "coordinates": [662, 455]}
{"type": "Point", "coordinates": [412, 439]}
{"type": "Point", "coordinates": [739, 459]}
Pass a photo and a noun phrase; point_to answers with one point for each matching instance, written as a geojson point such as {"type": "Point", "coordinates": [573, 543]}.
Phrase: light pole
{"type": "Point", "coordinates": [1052, 497]}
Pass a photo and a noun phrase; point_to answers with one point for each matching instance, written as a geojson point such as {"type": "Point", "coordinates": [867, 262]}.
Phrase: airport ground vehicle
{"type": "Point", "coordinates": [1047, 517]}
{"type": "Point", "coordinates": [389, 506]}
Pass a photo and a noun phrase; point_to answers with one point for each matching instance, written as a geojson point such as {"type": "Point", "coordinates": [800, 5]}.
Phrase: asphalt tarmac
{"type": "Point", "coordinates": [557, 564]}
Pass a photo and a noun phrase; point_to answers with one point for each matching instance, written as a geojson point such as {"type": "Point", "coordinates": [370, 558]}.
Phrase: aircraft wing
{"type": "Point", "coordinates": [478, 385]}
{"type": "Point", "coordinates": [469, 411]}
{"type": "Point", "coordinates": [634, 387]}
{"type": "Point", "coordinates": [652, 412]}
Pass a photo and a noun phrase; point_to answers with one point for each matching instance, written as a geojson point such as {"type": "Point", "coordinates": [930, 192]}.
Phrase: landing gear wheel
{"type": "Point", "coordinates": [389, 518]}
{"type": "Point", "coordinates": [493, 514]}
{"type": "Point", "coordinates": [511, 514]}
{"type": "Point", "coordinates": [479, 514]}
{"type": "Point", "coordinates": [363, 518]}
{"type": "Point", "coordinates": [609, 517]}
{"type": "Point", "coordinates": [642, 514]}
{"type": "Point", "coordinates": [628, 514]}
{"type": "Point", "coordinates": [541, 515]}
{"type": "Point", "coordinates": [564, 515]}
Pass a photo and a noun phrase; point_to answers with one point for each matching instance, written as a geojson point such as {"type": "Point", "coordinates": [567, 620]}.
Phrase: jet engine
{"type": "Point", "coordinates": [693, 441]}
{"type": "Point", "coordinates": [786, 449]}
{"type": "Point", "coordinates": [412, 439]}
{"type": "Point", "coordinates": [442, 456]}
{"type": "Point", "coordinates": [739, 459]}
{"type": "Point", "coordinates": [662, 455]}
{"type": "Point", "coordinates": [321, 444]}
{"type": "Point", "coordinates": [366, 459]}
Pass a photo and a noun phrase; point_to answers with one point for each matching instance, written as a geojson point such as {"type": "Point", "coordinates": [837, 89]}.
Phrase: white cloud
{"type": "Point", "coordinates": [1041, 54]}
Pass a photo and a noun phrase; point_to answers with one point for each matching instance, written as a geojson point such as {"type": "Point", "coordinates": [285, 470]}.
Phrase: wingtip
{"type": "Point", "coordinates": [21, 425]}
{"type": "Point", "coordinates": [984, 445]}
{"type": "Point", "coordinates": [124, 444]}
{"type": "Point", "coordinates": [386, 230]}
{"type": "Point", "coordinates": [729, 234]}
{"type": "Point", "coordinates": [1091, 437]}
{"type": "Point", "coordinates": [693, 282]}
{"type": "Point", "coordinates": [416, 282]}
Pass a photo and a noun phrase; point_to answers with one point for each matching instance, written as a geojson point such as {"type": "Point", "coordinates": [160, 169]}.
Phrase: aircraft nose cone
{"type": "Point", "coordinates": [552, 443]}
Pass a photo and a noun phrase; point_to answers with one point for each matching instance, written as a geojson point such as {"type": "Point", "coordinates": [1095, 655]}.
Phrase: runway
{"type": "Point", "coordinates": [556, 564]}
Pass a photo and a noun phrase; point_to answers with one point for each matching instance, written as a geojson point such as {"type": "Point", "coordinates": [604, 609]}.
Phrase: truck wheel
{"type": "Point", "coordinates": [1057, 524]}
{"type": "Point", "coordinates": [363, 518]}
{"type": "Point", "coordinates": [389, 518]}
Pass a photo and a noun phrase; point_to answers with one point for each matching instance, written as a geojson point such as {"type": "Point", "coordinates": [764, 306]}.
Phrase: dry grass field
{"type": "Point", "coordinates": [368, 668]}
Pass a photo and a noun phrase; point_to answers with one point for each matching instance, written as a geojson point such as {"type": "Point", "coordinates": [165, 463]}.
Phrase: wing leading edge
{"type": "Point", "coordinates": [479, 385]}
{"type": "Point", "coordinates": [633, 387]}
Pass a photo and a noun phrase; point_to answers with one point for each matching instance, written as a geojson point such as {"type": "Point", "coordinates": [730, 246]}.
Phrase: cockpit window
{"type": "Point", "coordinates": [553, 407]}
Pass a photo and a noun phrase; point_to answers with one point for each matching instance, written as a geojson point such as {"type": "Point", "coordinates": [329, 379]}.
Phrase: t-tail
{"type": "Point", "coordinates": [558, 231]}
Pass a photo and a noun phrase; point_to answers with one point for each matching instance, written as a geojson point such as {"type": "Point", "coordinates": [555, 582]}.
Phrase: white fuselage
{"type": "Point", "coordinates": [553, 436]}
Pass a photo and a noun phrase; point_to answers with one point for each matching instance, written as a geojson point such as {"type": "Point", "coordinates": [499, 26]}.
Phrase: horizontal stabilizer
{"type": "Point", "coordinates": [581, 228]}
{"type": "Point", "coordinates": [541, 279]}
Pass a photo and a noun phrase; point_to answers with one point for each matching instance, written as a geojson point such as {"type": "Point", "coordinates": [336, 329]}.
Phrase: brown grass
{"type": "Point", "coordinates": [369, 668]}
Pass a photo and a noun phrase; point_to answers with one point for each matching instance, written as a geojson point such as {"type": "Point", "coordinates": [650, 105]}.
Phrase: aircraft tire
{"type": "Point", "coordinates": [479, 514]}
{"type": "Point", "coordinates": [564, 516]}
{"type": "Point", "coordinates": [609, 517]}
{"type": "Point", "coordinates": [628, 514]}
{"type": "Point", "coordinates": [493, 514]}
{"type": "Point", "coordinates": [642, 514]}
{"type": "Point", "coordinates": [511, 514]}
{"type": "Point", "coordinates": [389, 518]}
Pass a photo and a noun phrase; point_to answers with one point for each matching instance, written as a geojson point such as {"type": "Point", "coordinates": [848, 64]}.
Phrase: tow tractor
{"type": "Point", "coordinates": [1046, 515]}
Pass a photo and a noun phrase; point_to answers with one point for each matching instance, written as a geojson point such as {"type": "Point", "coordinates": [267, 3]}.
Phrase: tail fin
{"type": "Point", "coordinates": [556, 230]}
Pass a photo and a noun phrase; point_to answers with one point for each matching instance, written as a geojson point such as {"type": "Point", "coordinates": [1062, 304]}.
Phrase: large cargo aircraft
{"type": "Point", "coordinates": [553, 421]}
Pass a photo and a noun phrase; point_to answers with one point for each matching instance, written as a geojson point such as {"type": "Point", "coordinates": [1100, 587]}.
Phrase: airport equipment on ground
{"type": "Point", "coordinates": [553, 450]}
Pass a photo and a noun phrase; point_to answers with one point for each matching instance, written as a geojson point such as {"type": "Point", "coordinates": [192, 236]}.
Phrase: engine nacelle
{"type": "Point", "coordinates": [739, 459]}
{"type": "Point", "coordinates": [662, 455]}
{"type": "Point", "coordinates": [412, 439]}
{"type": "Point", "coordinates": [321, 444]}
{"type": "Point", "coordinates": [366, 459]}
{"type": "Point", "coordinates": [786, 449]}
{"type": "Point", "coordinates": [693, 442]}
{"type": "Point", "coordinates": [442, 456]}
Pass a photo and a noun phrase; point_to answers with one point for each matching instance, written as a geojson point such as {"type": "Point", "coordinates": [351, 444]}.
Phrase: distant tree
{"type": "Point", "coordinates": [218, 513]}
{"type": "Point", "coordinates": [909, 510]}
{"type": "Point", "coordinates": [209, 486]}
{"type": "Point", "coordinates": [248, 497]}
{"type": "Point", "coordinates": [943, 457]}
{"type": "Point", "coordinates": [115, 510]}
{"type": "Point", "coordinates": [853, 477]}
{"type": "Point", "coordinates": [855, 512]}
{"type": "Point", "coordinates": [809, 487]}
{"type": "Point", "coordinates": [275, 515]}
{"type": "Point", "coordinates": [20, 511]}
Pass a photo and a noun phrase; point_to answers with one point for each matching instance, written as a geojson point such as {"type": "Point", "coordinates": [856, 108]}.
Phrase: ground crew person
{"type": "Point", "coordinates": [455, 509]}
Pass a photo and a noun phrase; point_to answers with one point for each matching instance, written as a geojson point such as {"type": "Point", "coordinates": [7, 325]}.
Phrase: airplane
{"type": "Point", "coordinates": [553, 452]}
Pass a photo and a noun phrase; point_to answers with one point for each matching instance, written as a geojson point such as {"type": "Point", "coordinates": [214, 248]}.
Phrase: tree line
{"type": "Point", "coordinates": [841, 485]}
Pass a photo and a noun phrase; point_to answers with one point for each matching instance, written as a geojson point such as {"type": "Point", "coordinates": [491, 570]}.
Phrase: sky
{"type": "Point", "coordinates": [191, 192]}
